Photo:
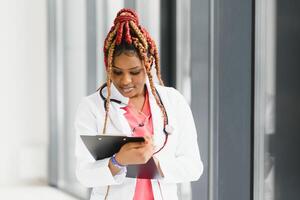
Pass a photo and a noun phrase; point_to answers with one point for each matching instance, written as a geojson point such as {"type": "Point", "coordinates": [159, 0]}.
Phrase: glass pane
{"type": "Point", "coordinates": [265, 93]}
{"type": "Point", "coordinates": [277, 107]}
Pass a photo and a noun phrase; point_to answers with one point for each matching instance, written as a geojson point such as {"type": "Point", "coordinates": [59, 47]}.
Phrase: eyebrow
{"type": "Point", "coordinates": [128, 69]}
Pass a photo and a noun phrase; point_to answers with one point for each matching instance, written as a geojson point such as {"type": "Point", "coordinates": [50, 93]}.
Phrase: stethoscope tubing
{"type": "Point", "coordinates": [119, 102]}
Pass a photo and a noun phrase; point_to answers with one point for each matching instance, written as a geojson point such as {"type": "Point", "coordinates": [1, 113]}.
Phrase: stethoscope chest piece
{"type": "Point", "coordinates": [169, 129]}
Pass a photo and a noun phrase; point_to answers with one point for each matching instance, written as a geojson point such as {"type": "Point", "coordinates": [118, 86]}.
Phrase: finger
{"type": "Point", "coordinates": [148, 148]}
{"type": "Point", "coordinates": [131, 145]}
{"type": "Point", "coordinates": [148, 138]}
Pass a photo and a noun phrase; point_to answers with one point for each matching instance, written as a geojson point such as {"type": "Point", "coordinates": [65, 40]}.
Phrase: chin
{"type": "Point", "coordinates": [128, 94]}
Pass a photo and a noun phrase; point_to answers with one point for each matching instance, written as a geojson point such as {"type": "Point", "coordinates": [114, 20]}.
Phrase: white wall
{"type": "Point", "coordinates": [23, 87]}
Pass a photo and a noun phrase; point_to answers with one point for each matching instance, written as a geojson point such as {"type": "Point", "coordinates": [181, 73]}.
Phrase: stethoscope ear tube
{"type": "Point", "coordinates": [168, 129]}
{"type": "Point", "coordinates": [165, 142]}
{"type": "Point", "coordinates": [104, 98]}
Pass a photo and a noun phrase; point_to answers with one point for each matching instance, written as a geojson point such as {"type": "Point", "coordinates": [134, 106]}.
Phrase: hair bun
{"type": "Point", "coordinates": [125, 15]}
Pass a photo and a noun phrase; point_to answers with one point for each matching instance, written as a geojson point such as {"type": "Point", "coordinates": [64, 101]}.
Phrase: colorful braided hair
{"type": "Point", "coordinates": [127, 35]}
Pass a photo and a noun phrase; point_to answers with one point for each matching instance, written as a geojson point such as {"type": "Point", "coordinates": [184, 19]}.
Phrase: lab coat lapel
{"type": "Point", "coordinates": [118, 120]}
{"type": "Point", "coordinates": [157, 119]}
{"type": "Point", "coordinates": [116, 114]}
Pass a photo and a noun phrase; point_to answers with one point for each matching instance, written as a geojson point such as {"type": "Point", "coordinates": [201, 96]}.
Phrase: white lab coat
{"type": "Point", "coordinates": [179, 160]}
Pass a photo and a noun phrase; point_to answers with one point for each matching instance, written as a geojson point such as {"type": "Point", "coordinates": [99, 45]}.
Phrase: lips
{"type": "Point", "coordinates": [127, 89]}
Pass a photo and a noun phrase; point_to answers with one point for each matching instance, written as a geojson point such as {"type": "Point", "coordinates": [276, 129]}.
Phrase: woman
{"type": "Point", "coordinates": [131, 104]}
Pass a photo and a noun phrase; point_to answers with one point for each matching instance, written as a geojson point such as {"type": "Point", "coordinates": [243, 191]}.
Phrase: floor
{"type": "Point", "coordinates": [33, 193]}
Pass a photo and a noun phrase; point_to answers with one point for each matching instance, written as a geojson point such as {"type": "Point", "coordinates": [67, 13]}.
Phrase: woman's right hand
{"type": "Point", "coordinates": [136, 152]}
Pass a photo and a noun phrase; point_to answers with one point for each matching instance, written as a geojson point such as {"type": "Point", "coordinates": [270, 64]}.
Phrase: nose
{"type": "Point", "coordinates": [126, 79]}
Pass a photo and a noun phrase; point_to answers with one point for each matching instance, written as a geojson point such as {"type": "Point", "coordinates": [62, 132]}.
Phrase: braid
{"type": "Point", "coordinates": [127, 34]}
{"type": "Point", "coordinates": [154, 52]}
{"type": "Point", "coordinates": [110, 36]}
{"type": "Point", "coordinates": [120, 34]}
{"type": "Point", "coordinates": [126, 30]}
{"type": "Point", "coordinates": [108, 82]}
{"type": "Point", "coordinates": [150, 77]}
{"type": "Point", "coordinates": [156, 60]}
{"type": "Point", "coordinates": [153, 90]}
{"type": "Point", "coordinates": [126, 10]}
{"type": "Point", "coordinates": [139, 34]}
{"type": "Point", "coordinates": [108, 41]}
{"type": "Point", "coordinates": [141, 48]}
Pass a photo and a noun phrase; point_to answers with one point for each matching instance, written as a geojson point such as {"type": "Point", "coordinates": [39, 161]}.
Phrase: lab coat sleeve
{"type": "Point", "coordinates": [185, 165]}
{"type": "Point", "coordinates": [89, 172]}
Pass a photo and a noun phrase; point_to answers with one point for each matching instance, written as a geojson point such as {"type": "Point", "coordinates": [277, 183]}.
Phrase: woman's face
{"type": "Point", "coordinates": [128, 74]}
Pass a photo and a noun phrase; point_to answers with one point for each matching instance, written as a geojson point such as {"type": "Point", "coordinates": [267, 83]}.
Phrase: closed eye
{"type": "Point", "coordinates": [116, 72]}
{"type": "Point", "coordinates": [132, 72]}
{"type": "Point", "coordinates": [135, 72]}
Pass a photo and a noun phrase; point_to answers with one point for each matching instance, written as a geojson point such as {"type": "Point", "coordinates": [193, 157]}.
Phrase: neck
{"type": "Point", "coordinates": [141, 95]}
{"type": "Point", "coordinates": [138, 101]}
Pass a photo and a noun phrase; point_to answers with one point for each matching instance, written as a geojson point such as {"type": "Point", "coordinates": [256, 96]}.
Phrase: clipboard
{"type": "Point", "coordinates": [105, 146]}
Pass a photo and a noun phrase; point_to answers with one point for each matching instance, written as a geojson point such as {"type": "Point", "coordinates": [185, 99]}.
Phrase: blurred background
{"type": "Point", "coordinates": [236, 62]}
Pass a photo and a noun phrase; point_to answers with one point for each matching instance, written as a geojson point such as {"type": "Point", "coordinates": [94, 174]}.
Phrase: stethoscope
{"type": "Point", "coordinates": [168, 129]}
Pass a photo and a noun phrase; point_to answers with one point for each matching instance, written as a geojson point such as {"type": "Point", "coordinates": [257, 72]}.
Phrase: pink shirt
{"type": "Point", "coordinates": [141, 124]}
